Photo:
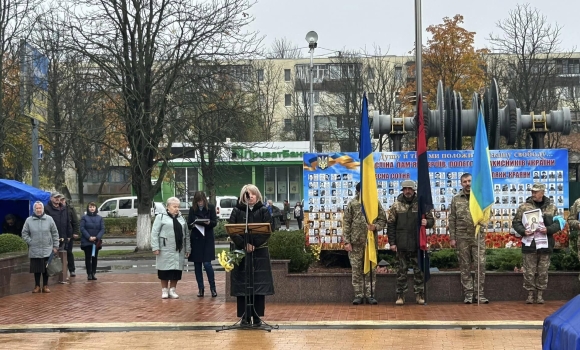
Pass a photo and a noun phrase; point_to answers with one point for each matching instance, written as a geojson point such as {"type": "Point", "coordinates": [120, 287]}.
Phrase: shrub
{"type": "Point", "coordinates": [219, 231]}
{"type": "Point", "coordinates": [564, 261]}
{"type": "Point", "coordinates": [503, 259]}
{"type": "Point", "coordinates": [290, 245]}
{"type": "Point", "coordinates": [121, 226]}
{"type": "Point", "coordinates": [444, 259]}
{"type": "Point", "coordinates": [12, 243]}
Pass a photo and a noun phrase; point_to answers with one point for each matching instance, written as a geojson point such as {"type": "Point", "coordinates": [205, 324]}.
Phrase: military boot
{"type": "Point", "coordinates": [530, 299]}
{"type": "Point", "coordinates": [419, 299]}
{"type": "Point", "coordinates": [539, 298]}
{"type": "Point", "coordinates": [400, 300]}
{"type": "Point", "coordinates": [357, 301]}
{"type": "Point", "coordinates": [468, 299]}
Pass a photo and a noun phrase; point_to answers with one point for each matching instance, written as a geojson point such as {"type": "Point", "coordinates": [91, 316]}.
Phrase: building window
{"type": "Point", "coordinates": [282, 183]}
{"type": "Point", "coordinates": [286, 74]}
{"type": "Point", "coordinates": [185, 183]}
{"type": "Point", "coordinates": [371, 98]}
{"type": "Point", "coordinates": [339, 122]}
{"type": "Point", "coordinates": [287, 124]}
{"type": "Point", "coordinates": [287, 100]}
{"type": "Point", "coordinates": [260, 75]}
{"type": "Point", "coordinates": [318, 147]}
{"type": "Point", "coordinates": [370, 73]}
{"type": "Point", "coordinates": [398, 74]}
{"type": "Point", "coordinates": [316, 97]}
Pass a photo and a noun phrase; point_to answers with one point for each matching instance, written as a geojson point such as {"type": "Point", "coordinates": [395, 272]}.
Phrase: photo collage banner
{"type": "Point", "coordinates": [330, 180]}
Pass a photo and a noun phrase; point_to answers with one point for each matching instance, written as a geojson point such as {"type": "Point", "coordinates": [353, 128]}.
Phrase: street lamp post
{"type": "Point", "coordinates": [312, 39]}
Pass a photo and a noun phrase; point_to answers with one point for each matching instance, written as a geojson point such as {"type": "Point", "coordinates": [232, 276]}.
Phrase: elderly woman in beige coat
{"type": "Point", "coordinates": [170, 242]}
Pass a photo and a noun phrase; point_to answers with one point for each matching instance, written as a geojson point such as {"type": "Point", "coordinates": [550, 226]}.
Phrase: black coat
{"type": "Point", "coordinates": [263, 280]}
{"type": "Point", "coordinates": [202, 247]}
{"type": "Point", "coordinates": [61, 219]}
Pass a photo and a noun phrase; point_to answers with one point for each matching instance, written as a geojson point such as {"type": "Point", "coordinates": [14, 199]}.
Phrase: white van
{"type": "Point", "coordinates": [122, 207]}
{"type": "Point", "coordinates": [224, 206]}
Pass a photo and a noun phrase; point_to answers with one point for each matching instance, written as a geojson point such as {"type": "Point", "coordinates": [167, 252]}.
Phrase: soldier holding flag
{"type": "Point", "coordinates": [355, 233]}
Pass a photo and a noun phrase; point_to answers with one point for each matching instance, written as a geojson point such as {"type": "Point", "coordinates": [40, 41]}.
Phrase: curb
{"type": "Point", "coordinates": [182, 326]}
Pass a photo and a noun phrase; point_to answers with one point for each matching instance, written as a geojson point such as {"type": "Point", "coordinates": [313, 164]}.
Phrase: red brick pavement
{"type": "Point", "coordinates": [137, 298]}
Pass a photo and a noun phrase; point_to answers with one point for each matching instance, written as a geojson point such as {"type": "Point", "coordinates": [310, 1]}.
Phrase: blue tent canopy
{"type": "Point", "coordinates": [562, 328]}
{"type": "Point", "coordinates": [18, 198]}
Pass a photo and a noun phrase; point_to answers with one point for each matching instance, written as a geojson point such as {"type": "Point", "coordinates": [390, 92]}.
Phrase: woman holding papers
{"type": "Point", "coordinates": [201, 221]}
{"type": "Point", "coordinates": [257, 249]}
{"type": "Point", "coordinates": [92, 231]}
{"type": "Point", "coordinates": [170, 243]}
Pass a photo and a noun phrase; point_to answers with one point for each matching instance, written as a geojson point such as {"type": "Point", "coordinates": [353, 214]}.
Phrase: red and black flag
{"type": "Point", "coordinates": [425, 200]}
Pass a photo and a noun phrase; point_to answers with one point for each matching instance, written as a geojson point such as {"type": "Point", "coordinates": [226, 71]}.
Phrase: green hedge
{"type": "Point", "coordinates": [12, 243]}
{"type": "Point", "coordinates": [121, 226]}
{"type": "Point", "coordinates": [219, 231]}
{"type": "Point", "coordinates": [291, 245]}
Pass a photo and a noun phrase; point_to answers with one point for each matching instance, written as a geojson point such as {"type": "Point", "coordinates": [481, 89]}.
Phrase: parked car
{"type": "Point", "coordinates": [123, 207]}
{"type": "Point", "coordinates": [224, 206]}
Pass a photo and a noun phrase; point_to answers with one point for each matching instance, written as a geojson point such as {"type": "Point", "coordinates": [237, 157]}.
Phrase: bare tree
{"type": "Point", "coordinates": [284, 48]}
{"type": "Point", "coordinates": [267, 88]}
{"type": "Point", "coordinates": [143, 47]}
{"type": "Point", "coordinates": [14, 25]}
{"type": "Point", "coordinates": [383, 77]}
{"type": "Point", "coordinates": [528, 49]}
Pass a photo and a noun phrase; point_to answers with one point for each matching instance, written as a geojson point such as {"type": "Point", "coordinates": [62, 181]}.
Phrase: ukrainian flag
{"type": "Point", "coordinates": [368, 185]}
{"type": "Point", "coordinates": [481, 197]}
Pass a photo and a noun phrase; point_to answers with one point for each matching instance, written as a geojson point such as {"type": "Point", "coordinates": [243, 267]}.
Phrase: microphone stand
{"type": "Point", "coordinates": [249, 309]}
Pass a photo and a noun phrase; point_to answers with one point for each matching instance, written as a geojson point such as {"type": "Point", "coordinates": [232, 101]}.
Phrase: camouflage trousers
{"type": "Point", "coordinates": [361, 282]}
{"type": "Point", "coordinates": [406, 260]}
{"type": "Point", "coordinates": [535, 263]}
{"type": "Point", "coordinates": [468, 255]}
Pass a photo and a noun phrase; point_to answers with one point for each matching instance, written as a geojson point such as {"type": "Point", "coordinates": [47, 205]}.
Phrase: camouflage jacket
{"type": "Point", "coordinates": [402, 224]}
{"type": "Point", "coordinates": [355, 226]}
{"type": "Point", "coordinates": [573, 221]}
{"type": "Point", "coordinates": [460, 220]}
{"type": "Point", "coordinates": [549, 210]}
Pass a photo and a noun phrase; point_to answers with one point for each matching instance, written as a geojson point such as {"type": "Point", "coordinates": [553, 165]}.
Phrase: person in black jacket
{"type": "Point", "coordinates": [59, 214]}
{"type": "Point", "coordinates": [92, 230]}
{"type": "Point", "coordinates": [12, 224]}
{"type": "Point", "coordinates": [202, 240]}
{"type": "Point", "coordinates": [256, 249]}
{"type": "Point", "coordinates": [74, 221]}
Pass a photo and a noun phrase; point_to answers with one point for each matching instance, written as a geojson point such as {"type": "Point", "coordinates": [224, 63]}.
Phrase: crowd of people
{"type": "Point", "coordinates": [54, 225]}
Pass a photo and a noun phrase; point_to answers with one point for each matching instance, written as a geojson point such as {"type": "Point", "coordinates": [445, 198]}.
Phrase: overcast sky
{"type": "Point", "coordinates": [359, 24]}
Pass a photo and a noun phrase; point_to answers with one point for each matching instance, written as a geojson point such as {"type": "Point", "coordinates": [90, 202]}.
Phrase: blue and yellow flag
{"type": "Point", "coordinates": [369, 197]}
{"type": "Point", "coordinates": [481, 197]}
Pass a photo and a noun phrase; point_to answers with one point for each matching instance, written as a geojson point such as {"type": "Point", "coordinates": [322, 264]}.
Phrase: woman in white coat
{"type": "Point", "coordinates": [170, 242]}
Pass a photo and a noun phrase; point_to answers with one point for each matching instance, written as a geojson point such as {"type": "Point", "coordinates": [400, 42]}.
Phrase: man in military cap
{"type": "Point", "coordinates": [402, 232]}
{"type": "Point", "coordinates": [470, 248]}
{"type": "Point", "coordinates": [574, 222]}
{"type": "Point", "coordinates": [355, 236]}
{"type": "Point", "coordinates": [536, 260]}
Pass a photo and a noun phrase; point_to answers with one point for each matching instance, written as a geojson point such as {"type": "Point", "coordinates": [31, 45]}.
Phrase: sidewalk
{"type": "Point", "coordinates": [135, 299]}
{"type": "Point", "coordinates": [125, 311]}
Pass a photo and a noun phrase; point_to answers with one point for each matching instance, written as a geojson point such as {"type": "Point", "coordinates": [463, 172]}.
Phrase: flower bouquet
{"type": "Point", "coordinates": [230, 259]}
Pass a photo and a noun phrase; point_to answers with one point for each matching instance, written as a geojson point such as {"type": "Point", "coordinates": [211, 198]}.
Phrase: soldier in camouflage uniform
{"type": "Point", "coordinates": [402, 232]}
{"type": "Point", "coordinates": [574, 223]}
{"type": "Point", "coordinates": [355, 235]}
{"type": "Point", "coordinates": [470, 249]}
{"type": "Point", "coordinates": [537, 260]}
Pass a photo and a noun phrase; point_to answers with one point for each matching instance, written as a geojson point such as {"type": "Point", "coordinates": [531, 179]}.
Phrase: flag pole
{"type": "Point", "coordinates": [425, 267]}
{"type": "Point", "coordinates": [478, 260]}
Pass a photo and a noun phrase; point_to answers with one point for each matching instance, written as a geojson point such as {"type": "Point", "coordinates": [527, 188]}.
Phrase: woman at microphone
{"type": "Point", "coordinates": [257, 249]}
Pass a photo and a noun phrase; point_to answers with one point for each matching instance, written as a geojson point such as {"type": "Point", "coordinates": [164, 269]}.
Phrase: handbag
{"type": "Point", "coordinates": [54, 265]}
{"type": "Point", "coordinates": [99, 244]}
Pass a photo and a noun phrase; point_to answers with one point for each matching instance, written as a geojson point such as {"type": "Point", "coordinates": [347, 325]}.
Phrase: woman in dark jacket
{"type": "Point", "coordinates": [256, 249]}
{"type": "Point", "coordinates": [92, 231]}
{"type": "Point", "coordinates": [202, 240]}
{"type": "Point", "coordinates": [299, 214]}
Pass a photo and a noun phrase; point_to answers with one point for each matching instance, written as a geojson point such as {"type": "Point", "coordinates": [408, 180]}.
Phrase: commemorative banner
{"type": "Point", "coordinates": [330, 180]}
